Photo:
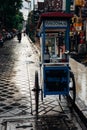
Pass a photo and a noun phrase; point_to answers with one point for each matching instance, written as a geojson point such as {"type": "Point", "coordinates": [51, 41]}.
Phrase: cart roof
{"type": "Point", "coordinates": [54, 16]}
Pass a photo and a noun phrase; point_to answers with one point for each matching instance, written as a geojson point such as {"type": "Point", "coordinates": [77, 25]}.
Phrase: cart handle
{"type": "Point", "coordinates": [36, 90]}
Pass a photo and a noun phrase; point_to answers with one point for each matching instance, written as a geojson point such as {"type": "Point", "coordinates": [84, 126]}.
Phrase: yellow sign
{"type": "Point", "coordinates": [77, 24]}
{"type": "Point", "coordinates": [79, 2]}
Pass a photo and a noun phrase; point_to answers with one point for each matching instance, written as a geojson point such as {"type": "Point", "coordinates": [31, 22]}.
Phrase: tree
{"type": "Point", "coordinates": [9, 9]}
{"type": "Point", "coordinates": [17, 21]}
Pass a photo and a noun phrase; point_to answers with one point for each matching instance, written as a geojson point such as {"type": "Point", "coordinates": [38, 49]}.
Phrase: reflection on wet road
{"type": "Point", "coordinates": [16, 59]}
{"type": "Point", "coordinates": [80, 72]}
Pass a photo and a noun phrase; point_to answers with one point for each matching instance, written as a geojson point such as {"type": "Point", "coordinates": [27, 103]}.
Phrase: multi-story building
{"type": "Point", "coordinates": [77, 7]}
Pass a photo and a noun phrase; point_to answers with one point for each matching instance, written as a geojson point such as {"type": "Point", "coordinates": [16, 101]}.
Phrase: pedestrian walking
{"type": "Point", "coordinates": [19, 36]}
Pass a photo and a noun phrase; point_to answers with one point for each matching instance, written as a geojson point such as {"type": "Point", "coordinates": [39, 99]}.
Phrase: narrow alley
{"type": "Point", "coordinates": [18, 62]}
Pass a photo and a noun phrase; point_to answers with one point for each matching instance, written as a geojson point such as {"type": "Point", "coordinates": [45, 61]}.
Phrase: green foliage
{"type": "Point", "coordinates": [19, 26]}
{"type": "Point", "coordinates": [10, 15]}
{"type": "Point", "coordinates": [30, 27]}
{"type": "Point", "coordinates": [17, 21]}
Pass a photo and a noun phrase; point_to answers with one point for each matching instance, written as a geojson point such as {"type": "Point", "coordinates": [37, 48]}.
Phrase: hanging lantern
{"type": "Point", "coordinates": [79, 2]}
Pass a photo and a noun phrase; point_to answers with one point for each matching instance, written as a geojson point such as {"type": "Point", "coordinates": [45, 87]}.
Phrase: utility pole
{"type": "Point", "coordinates": [68, 6]}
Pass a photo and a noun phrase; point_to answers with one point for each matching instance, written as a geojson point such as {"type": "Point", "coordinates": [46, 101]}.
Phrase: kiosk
{"type": "Point", "coordinates": [55, 73]}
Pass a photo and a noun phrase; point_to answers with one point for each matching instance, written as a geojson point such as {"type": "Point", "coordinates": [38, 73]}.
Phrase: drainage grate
{"type": "Point", "coordinates": [20, 124]}
{"type": "Point", "coordinates": [60, 122]}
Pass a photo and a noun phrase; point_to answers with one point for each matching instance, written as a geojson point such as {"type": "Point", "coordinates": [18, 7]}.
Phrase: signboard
{"type": "Point", "coordinates": [78, 26]}
{"type": "Point", "coordinates": [55, 5]}
{"type": "Point", "coordinates": [79, 2]}
{"type": "Point", "coordinates": [56, 23]}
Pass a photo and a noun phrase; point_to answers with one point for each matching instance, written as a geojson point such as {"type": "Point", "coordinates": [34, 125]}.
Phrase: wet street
{"type": "Point", "coordinates": [18, 62]}
{"type": "Point", "coordinates": [80, 72]}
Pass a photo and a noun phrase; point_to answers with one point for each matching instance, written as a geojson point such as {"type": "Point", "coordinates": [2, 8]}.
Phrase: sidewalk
{"type": "Point", "coordinates": [18, 62]}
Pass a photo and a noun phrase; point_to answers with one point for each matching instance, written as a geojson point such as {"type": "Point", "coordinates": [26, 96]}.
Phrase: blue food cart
{"type": "Point", "coordinates": [56, 77]}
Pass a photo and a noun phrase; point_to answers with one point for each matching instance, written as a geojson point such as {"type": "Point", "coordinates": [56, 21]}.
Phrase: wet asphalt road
{"type": "Point", "coordinates": [18, 62]}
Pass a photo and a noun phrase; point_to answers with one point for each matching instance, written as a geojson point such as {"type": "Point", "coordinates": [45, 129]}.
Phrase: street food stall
{"type": "Point", "coordinates": [55, 77]}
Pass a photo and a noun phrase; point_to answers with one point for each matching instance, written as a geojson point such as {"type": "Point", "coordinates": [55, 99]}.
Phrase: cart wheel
{"type": "Point", "coordinates": [36, 93]}
{"type": "Point", "coordinates": [41, 95]}
{"type": "Point", "coordinates": [72, 88]}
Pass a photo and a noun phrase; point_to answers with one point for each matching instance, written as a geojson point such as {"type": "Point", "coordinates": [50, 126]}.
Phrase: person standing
{"type": "Point", "coordinates": [19, 35]}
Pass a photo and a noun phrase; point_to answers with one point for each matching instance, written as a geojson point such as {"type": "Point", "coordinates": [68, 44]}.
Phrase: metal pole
{"type": "Point", "coordinates": [68, 6]}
